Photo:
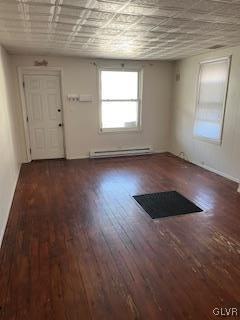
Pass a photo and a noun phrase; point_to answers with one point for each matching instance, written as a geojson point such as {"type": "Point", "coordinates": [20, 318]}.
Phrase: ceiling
{"type": "Point", "coordinates": [137, 29]}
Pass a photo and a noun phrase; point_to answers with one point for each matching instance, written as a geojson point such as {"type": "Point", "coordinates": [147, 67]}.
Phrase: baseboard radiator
{"type": "Point", "coordinates": [121, 152]}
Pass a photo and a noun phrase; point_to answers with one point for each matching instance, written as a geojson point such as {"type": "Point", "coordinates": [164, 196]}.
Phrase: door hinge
{"type": "Point", "coordinates": [30, 150]}
{"type": "Point", "coordinates": [27, 118]}
{"type": "Point", "coordinates": [23, 84]}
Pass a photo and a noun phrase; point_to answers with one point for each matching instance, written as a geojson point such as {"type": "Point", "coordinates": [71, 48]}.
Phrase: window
{"type": "Point", "coordinates": [212, 90]}
{"type": "Point", "coordinates": [120, 100]}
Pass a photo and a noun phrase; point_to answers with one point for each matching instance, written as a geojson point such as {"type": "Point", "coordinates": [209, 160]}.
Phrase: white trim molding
{"type": "Point", "coordinates": [124, 68]}
{"type": "Point", "coordinates": [220, 173]}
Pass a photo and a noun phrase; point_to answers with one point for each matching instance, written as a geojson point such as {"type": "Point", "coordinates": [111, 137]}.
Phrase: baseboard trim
{"type": "Point", "coordinates": [9, 208]}
{"type": "Point", "coordinates": [88, 156]}
{"type": "Point", "coordinates": [220, 173]}
{"type": "Point", "coordinates": [77, 158]}
{"type": "Point", "coordinates": [160, 151]}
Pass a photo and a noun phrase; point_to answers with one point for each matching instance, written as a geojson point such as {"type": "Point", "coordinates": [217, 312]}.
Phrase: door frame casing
{"type": "Point", "coordinates": [22, 71]}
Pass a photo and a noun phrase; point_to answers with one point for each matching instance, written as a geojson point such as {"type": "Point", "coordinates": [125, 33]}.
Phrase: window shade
{"type": "Point", "coordinates": [212, 88]}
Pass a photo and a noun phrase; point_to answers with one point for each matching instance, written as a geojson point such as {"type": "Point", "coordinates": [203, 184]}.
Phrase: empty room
{"type": "Point", "coordinates": [119, 159]}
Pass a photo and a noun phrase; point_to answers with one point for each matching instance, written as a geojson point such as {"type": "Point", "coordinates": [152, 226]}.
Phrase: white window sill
{"type": "Point", "coordinates": [120, 130]}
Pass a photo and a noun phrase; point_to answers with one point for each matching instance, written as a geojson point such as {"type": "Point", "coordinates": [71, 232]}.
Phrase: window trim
{"type": "Point", "coordinates": [138, 128]}
{"type": "Point", "coordinates": [205, 139]}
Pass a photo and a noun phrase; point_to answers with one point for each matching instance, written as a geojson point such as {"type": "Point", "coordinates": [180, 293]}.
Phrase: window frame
{"type": "Point", "coordinates": [198, 137]}
{"type": "Point", "coordinates": [139, 99]}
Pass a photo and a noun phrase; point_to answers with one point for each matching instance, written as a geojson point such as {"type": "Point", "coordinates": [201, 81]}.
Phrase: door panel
{"type": "Point", "coordinates": [52, 102]}
{"type": "Point", "coordinates": [39, 139]}
{"type": "Point", "coordinates": [53, 138]}
{"type": "Point", "coordinates": [43, 101]}
{"type": "Point", "coordinates": [36, 113]}
{"type": "Point", "coordinates": [52, 84]}
{"type": "Point", "coordinates": [35, 84]}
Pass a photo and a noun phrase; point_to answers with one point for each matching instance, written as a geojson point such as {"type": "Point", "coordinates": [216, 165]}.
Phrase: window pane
{"type": "Point", "coordinates": [119, 85]}
{"type": "Point", "coordinates": [209, 130]}
{"type": "Point", "coordinates": [119, 114]}
{"type": "Point", "coordinates": [210, 108]}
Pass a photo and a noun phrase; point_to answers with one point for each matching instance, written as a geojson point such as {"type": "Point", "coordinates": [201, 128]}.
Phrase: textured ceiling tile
{"type": "Point", "coordinates": [126, 18]}
{"type": "Point", "coordinates": [94, 23]}
{"type": "Point", "coordinates": [100, 15]}
{"type": "Point", "coordinates": [9, 6]}
{"type": "Point", "coordinates": [75, 3]}
{"type": "Point", "coordinates": [60, 36]}
{"type": "Point", "coordinates": [142, 29]}
{"type": "Point", "coordinates": [109, 6]}
{"type": "Point", "coordinates": [206, 6]}
{"type": "Point", "coordinates": [153, 20]}
{"type": "Point", "coordinates": [71, 11]}
{"type": "Point", "coordinates": [66, 19]}
{"type": "Point", "coordinates": [107, 32]}
{"type": "Point", "coordinates": [67, 27]}
{"type": "Point", "coordinates": [139, 10]}
{"type": "Point", "coordinates": [39, 2]}
{"type": "Point", "coordinates": [47, 9]}
{"type": "Point", "coordinates": [9, 24]}
{"type": "Point", "coordinates": [232, 10]}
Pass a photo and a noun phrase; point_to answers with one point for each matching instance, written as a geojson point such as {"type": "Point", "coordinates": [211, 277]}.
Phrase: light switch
{"type": "Point", "coordinates": [73, 97]}
{"type": "Point", "coordinates": [85, 98]}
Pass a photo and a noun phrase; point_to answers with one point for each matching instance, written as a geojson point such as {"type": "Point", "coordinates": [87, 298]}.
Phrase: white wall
{"type": "Point", "coordinates": [225, 158]}
{"type": "Point", "coordinates": [82, 120]}
{"type": "Point", "coordinates": [9, 145]}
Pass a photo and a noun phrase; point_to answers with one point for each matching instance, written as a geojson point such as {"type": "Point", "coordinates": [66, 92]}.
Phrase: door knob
{"type": "Point", "coordinates": [60, 125]}
{"type": "Point", "coordinates": [59, 110]}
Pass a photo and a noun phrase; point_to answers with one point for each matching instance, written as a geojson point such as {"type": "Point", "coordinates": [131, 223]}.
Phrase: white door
{"type": "Point", "coordinates": [45, 119]}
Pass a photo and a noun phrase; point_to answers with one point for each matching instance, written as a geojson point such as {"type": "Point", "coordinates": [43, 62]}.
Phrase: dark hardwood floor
{"type": "Point", "coordinates": [78, 246]}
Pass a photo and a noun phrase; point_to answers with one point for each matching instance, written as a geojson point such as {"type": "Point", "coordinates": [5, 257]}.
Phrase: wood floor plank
{"type": "Point", "coordinates": [78, 246]}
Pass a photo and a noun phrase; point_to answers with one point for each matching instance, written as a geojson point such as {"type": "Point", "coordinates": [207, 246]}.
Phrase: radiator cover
{"type": "Point", "coordinates": [120, 152]}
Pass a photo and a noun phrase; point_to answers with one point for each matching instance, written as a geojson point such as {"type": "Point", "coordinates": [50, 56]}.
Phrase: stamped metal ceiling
{"type": "Point", "coordinates": [137, 29]}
